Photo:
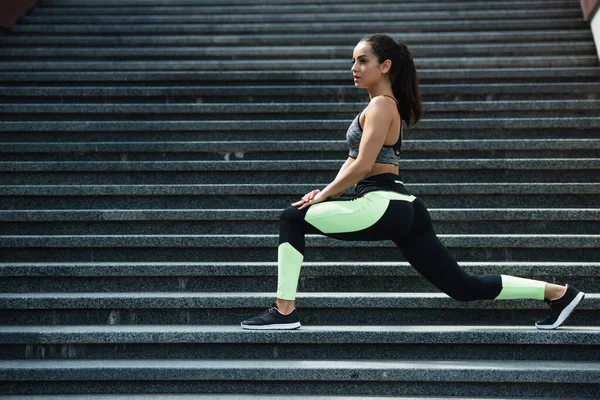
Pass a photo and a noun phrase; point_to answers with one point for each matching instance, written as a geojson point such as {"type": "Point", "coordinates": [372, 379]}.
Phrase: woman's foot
{"type": "Point", "coordinates": [561, 309]}
{"type": "Point", "coordinates": [273, 319]}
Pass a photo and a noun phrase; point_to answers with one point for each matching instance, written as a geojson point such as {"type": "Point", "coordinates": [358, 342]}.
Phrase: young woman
{"type": "Point", "coordinates": [382, 209]}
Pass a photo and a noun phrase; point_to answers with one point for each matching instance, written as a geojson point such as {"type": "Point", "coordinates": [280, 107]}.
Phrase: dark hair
{"type": "Point", "coordinates": [403, 75]}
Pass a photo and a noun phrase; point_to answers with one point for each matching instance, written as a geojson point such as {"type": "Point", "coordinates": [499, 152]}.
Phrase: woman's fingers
{"type": "Point", "coordinates": [307, 198]}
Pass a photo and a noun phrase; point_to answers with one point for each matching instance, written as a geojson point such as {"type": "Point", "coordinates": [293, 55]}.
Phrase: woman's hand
{"type": "Point", "coordinates": [310, 198]}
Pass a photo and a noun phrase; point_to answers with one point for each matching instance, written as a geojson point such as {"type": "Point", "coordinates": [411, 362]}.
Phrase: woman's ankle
{"type": "Point", "coordinates": [555, 292]}
{"type": "Point", "coordinates": [285, 307]}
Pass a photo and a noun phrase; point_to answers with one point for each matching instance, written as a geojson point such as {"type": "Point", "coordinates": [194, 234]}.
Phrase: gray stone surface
{"type": "Point", "coordinates": [317, 269]}
{"type": "Point", "coordinates": [280, 109]}
{"type": "Point", "coordinates": [298, 165]}
{"type": "Point", "coordinates": [425, 75]}
{"type": "Point", "coordinates": [456, 215]}
{"type": "Point", "coordinates": [270, 240]}
{"type": "Point", "coordinates": [218, 300]}
{"type": "Point", "coordinates": [403, 25]}
{"type": "Point", "coordinates": [230, 397]}
{"type": "Point", "coordinates": [314, 370]}
{"type": "Point", "coordinates": [305, 38]}
{"type": "Point", "coordinates": [498, 335]}
{"type": "Point", "coordinates": [252, 65]}
{"type": "Point", "coordinates": [275, 189]}
{"type": "Point", "coordinates": [278, 91]}
{"type": "Point", "coordinates": [428, 16]}
{"type": "Point", "coordinates": [286, 52]}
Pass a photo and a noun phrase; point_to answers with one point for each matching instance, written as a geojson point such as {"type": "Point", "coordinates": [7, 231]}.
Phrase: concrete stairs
{"type": "Point", "coordinates": [148, 147]}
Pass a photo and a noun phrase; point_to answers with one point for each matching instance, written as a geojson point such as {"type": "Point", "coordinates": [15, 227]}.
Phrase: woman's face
{"type": "Point", "coordinates": [366, 70]}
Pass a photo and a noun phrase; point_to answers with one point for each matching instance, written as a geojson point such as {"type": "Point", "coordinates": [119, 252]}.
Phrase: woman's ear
{"type": "Point", "coordinates": [386, 66]}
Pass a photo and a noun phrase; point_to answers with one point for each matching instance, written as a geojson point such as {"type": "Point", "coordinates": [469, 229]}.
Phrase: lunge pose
{"type": "Point", "coordinates": [382, 208]}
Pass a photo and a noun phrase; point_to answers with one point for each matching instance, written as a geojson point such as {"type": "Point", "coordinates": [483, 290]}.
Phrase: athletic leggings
{"type": "Point", "coordinates": [383, 209]}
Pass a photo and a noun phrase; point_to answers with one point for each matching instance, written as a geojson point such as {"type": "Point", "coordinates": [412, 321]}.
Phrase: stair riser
{"type": "Point", "coordinates": [249, 8]}
{"type": "Point", "coordinates": [207, 254]}
{"type": "Point", "coordinates": [31, 115]}
{"type": "Point", "coordinates": [13, 202]}
{"type": "Point", "coordinates": [231, 155]}
{"type": "Point", "coordinates": [273, 15]}
{"type": "Point", "coordinates": [263, 226]}
{"type": "Point", "coordinates": [72, 53]}
{"type": "Point", "coordinates": [265, 94]}
{"type": "Point", "coordinates": [331, 27]}
{"type": "Point", "coordinates": [232, 135]}
{"type": "Point", "coordinates": [367, 351]}
{"type": "Point", "coordinates": [251, 284]}
{"type": "Point", "coordinates": [308, 316]}
{"type": "Point", "coordinates": [292, 156]}
{"type": "Point", "coordinates": [236, 176]}
{"type": "Point", "coordinates": [396, 388]}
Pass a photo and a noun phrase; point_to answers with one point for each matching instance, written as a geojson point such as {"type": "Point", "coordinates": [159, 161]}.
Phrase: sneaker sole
{"type": "Point", "coordinates": [565, 314]}
{"type": "Point", "coordinates": [294, 325]}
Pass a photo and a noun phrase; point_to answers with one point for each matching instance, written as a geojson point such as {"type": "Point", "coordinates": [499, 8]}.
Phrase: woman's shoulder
{"type": "Point", "coordinates": [381, 106]}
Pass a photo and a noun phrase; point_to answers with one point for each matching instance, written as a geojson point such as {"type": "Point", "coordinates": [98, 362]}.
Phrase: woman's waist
{"type": "Point", "coordinates": [385, 181]}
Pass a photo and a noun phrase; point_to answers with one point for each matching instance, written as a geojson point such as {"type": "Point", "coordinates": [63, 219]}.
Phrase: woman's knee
{"type": "Point", "coordinates": [292, 215]}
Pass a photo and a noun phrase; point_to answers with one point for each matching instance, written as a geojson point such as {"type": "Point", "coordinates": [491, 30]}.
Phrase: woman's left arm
{"type": "Point", "coordinates": [378, 118]}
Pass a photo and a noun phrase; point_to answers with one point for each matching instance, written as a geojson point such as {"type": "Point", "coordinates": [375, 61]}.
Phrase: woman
{"type": "Point", "coordinates": [382, 208]}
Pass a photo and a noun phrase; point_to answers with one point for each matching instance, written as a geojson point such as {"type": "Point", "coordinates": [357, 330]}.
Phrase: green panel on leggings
{"type": "Point", "coordinates": [521, 288]}
{"type": "Point", "coordinates": [289, 261]}
{"type": "Point", "coordinates": [353, 215]}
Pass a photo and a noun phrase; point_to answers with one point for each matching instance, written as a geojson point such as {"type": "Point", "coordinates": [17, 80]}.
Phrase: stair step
{"type": "Point", "coordinates": [267, 240]}
{"type": "Point", "coordinates": [528, 372]}
{"type": "Point", "coordinates": [125, 8]}
{"type": "Point", "coordinates": [316, 64]}
{"type": "Point", "coordinates": [244, 94]}
{"type": "Point", "coordinates": [110, 248]}
{"type": "Point", "coordinates": [315, 308]}
{"type": "Point", "coordinates": [242, 196]}
{"type": "Point", "coordinates": [293, 150]}
{"type": "Point", "coordinates": [276, 16]}
{"type": "Point", "coordinates": [293, 125]}
{"type": "Point", "coordinates": [402, 25]}
{"type": "Point", "coordinates": [542, 74]}
{"type": "Point", "coordinates": [568, 170]}
{"type": "Point", "coordinates": [309, 342]}
{"type": "Point", "coordinates": [327, 334]}
{"type": "Point", "coordinates": [469, 214]}
{"type": "Point", "coordinates": [309, 269]}
{"type": "Point", "coordinates": [233, 397]}
{"type": "Point", "coordinates": [230, 300]}
{"type": "Point", "coordinates": [304, 38]}
{"type": "Point", "coordinates": [294, 52]}
{"type": "Point", "coordinates": [308, 146]}
{"type": "Point", "coordinates": [174, 222]}
{"type": "Point", "coordinates": [262, 276]}
{"type": "Point", "coordinates": [245, 3]}
{"type": "Point", "coordinates": [281, 110]}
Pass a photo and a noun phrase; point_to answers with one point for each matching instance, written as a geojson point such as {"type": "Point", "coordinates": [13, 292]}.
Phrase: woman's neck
{"type": "Point", "coordinates": [381, 88]}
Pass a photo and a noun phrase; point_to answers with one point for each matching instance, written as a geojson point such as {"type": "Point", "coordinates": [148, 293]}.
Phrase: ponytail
{"type": "Point", "coordinates": [402, 74]}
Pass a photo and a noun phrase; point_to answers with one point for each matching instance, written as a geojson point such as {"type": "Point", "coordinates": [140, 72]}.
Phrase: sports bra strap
{"type": "Point", "coordinates": [387, 95]}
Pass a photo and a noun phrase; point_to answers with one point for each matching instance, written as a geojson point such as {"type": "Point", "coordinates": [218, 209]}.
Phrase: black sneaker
{"type": "Point", "coordinates": [561, 309]}
{"type": "Point", "coordinates": [273, 319]}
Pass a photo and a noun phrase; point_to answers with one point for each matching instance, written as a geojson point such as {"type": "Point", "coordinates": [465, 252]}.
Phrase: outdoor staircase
{"type": "Point", "coordinates": [148, 147]}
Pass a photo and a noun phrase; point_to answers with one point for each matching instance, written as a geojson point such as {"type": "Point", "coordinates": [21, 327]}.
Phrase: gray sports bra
{"type": "Point", "coordinates": [387, 154]}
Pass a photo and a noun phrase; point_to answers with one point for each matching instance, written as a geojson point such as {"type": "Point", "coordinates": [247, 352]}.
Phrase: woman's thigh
{"type": "Point", "coordinates": [375, 216]}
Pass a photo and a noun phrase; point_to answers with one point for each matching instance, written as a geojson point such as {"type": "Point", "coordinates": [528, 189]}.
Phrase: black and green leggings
{"type": "Point", "coordinates": [382, 209]}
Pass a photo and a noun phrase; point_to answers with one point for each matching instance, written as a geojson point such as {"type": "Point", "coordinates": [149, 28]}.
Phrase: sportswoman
{"type": "Point", "coordinates": [382, 208]}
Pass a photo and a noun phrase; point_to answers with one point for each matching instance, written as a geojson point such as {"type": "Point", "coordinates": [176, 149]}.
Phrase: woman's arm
{"type": "Point", "coordinates": [378, 118]}
{"type": "Point", "coordinates": [343, 167]}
